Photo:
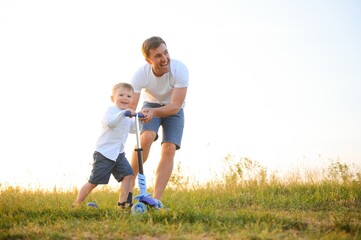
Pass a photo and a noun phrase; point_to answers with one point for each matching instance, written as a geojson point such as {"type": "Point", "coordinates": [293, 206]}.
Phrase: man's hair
{"type": "Point", "coordinates": [151, 43]}
{"type": "Point", "coordinates": [122, 85]}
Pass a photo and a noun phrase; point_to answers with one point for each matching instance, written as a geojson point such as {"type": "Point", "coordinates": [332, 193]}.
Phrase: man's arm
{"type": "Point", "coordinates": [176, 102]}
{"type": "Point", "coordinates": [134, 104]}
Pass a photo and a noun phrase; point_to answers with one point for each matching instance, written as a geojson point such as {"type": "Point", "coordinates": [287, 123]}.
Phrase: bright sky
{"type": "Point", "coordinates": [278, 82]}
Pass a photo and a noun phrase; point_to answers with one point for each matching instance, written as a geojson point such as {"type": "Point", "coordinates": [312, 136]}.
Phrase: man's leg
{"type": "Point", "coordinates": [164, 170]}
{"type": "Point", "coordinates": [146, 138]}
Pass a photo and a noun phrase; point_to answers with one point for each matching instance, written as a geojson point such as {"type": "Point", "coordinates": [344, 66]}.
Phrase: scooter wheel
{"type": "Point", "coordinates": [139, 208]}
{"type": "Point", "coordinates": [159, 204]}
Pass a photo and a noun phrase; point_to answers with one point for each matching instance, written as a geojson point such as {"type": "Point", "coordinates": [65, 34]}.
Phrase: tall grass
{"type": "Point", "coordinates": [248, 203]}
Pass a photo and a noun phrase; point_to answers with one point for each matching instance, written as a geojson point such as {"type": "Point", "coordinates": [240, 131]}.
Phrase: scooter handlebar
{"type": "Point", "coordinates": [128, 114]}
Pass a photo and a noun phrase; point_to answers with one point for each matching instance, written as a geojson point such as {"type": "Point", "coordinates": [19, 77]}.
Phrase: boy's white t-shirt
{"type": "Point", "coordinates": [115, 130]}
{"type": "Point", "coordinates": [159, 89]}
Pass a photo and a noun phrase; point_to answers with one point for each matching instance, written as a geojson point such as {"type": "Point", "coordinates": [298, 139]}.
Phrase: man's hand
{"type": "Point", "coordinates": [148, 114]}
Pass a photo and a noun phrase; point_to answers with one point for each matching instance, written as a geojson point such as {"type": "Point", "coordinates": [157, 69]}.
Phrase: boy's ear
{"type": "Point", "coordinates": [112, 98]}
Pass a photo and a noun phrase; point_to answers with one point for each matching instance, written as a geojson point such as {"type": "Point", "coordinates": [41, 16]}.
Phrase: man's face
{"type": "Point", "coordinates": [159, 59]}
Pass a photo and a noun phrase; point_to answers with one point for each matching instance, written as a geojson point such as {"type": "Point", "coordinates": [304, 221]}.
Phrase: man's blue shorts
{"type": "Point", "coordinates": [172, 125]}
{"type": "Point", "coordinates": [104, 167]}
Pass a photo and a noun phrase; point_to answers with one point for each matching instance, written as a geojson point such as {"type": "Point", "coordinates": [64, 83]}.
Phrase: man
{"type": "Point", "coordinates": [165, 84]}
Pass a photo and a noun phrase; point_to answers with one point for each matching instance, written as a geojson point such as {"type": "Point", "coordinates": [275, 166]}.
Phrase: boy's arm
{"type": "Point", "coordinates": [113, 116]}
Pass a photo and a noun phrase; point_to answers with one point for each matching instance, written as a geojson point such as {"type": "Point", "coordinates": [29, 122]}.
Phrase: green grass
{"type": "Point", "coordinates": [256, 207]}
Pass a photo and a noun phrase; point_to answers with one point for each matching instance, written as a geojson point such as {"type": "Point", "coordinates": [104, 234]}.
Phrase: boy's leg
{"type": "Point", "coordinates": [125, 188]}
{"type": "Point", "coordinates": [125, 195]}
{"type": "Point", "coordinates": [83, 193]}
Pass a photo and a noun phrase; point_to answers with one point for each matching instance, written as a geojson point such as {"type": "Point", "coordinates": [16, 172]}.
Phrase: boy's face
{"type": "Point", "coordinates": [122, 98]}
{"type": "Point", "coordinates": [159, 59]}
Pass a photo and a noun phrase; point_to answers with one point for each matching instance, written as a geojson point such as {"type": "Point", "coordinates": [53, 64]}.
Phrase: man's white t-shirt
{"type": "Point", "coordinates": [159, 89]}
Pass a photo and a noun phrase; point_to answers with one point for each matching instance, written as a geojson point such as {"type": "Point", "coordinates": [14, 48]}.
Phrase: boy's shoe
{"type": "Point", "coordinates": [92, 204]}
{"type": "Point", "coordinates": [125, 205]}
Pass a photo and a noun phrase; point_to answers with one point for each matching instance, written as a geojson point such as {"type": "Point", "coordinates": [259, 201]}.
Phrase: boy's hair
{"type": "Point", "coordinates": [151, 43]}
{"type": "Point", "coordinates": [122, 85]}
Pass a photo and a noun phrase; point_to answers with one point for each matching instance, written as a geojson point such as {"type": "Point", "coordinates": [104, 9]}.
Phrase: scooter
{"type": "Point", "coordinates": [145, 202]}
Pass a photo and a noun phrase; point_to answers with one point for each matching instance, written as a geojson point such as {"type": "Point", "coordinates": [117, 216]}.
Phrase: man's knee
{"type": "Point", "coordinates": [168, 148]}
{"type": "Point", "coordinates": [148, 137]}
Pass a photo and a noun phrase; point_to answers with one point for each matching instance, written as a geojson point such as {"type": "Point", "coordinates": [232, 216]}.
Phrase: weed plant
{"type": "Point", "coordinates": [248, 203]}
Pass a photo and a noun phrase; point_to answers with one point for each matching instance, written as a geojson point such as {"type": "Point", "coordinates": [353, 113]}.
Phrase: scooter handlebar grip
{"type": "Point", "coordinates": [127, 113]}
{"type": "Point", "coordinates": [141, 115]}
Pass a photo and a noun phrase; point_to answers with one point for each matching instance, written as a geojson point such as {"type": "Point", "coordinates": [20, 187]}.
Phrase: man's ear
{"type": "Point", "coordinates": [148, 61]}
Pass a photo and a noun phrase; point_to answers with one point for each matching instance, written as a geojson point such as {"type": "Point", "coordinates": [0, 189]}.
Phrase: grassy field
{"type": "Point", "coordinates": [247, 204]}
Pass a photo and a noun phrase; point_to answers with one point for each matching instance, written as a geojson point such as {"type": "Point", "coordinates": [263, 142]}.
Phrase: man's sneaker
{"type": "Point", "coordinates": [163, 209]}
